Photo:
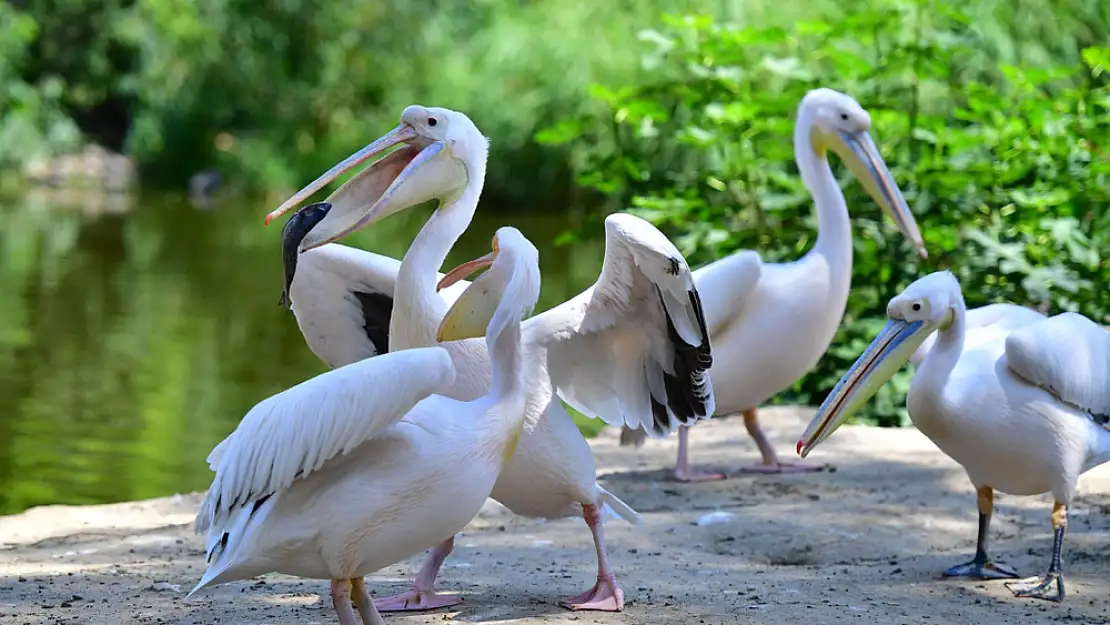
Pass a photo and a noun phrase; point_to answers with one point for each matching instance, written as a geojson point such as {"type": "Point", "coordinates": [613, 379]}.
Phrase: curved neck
{"type": "Point", "coordinates": [834, 229]}
{"type": "Point", "coordinates": [417, 307]}
{"type": "Point", "coordinates": [945, 353]}
{"type": "Point", "coordinates": [506, 363]}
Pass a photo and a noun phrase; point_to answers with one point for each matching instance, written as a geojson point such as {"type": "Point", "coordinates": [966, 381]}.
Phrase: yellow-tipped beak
{"type": "Point", "coordinates": [470, 315]}
{"type": "Point", "coordinates": [859, 153]}
{"type": "Point", "coordinates": [400, 134]}
{"type": "Point", "coordinates": [878, 363]}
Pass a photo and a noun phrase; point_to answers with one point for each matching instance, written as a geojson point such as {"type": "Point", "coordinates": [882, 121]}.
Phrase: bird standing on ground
{"type": "Point", "coordinates": [368, 464]}
{"type": "Point", "coordinates": [1022, 403]}
{"type": "Point", "coordinates": [770, 323]}
{"type": "Point", "coordinates": [632, 349]}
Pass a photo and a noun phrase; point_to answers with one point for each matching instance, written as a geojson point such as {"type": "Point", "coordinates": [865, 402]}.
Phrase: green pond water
{"type": "Point", "coordinates": [135, 333]}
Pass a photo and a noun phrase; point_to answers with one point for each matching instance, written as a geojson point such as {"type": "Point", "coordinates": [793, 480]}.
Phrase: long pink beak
{"type": "Point", "coordinates": [400, 134]}
{"type": "Point", "coordinates": [465, 269]}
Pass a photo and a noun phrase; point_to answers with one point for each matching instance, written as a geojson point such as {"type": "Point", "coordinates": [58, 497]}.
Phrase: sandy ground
{"type": "Point", "coordinates": [863, 543]}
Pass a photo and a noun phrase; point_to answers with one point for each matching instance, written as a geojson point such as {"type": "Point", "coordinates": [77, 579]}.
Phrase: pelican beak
{"type": "Point", "coordinates": [411, 175]}
{"type": "Point", "coordinates": [470, 315]}
{"type": "Point", "coordinates": [465, 269]}
{"type": "Point", "coordinates": [859, 153]}
{"type": "Point", "coordinates": [401, 134]}
{"type": "Point", "coordinates": [878, 363]}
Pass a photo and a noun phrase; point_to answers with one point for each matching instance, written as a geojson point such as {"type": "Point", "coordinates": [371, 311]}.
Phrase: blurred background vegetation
{"type": "Point", "coordinates": [143, 140]}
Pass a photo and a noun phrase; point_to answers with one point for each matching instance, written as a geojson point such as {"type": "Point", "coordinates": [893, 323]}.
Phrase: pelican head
{"type": "Point", "coordinates": [839, 123]}
{"type": "Point", "coordinates": [926, 306]}
{"type": "Point", "coordinates": [503, 295]}
{"type": "Point", "coordinates": [441, 150]}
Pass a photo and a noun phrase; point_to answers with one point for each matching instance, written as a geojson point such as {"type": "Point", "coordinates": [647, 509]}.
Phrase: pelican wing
{"type": "Point", "coordinates": [983, 324]}
{"type": "Point", "coordinates": [342, 298]}
{"type": "Point", "coordinates": [634, 348]}
{"type": "Point", "coordinates": [1067, 355]}
{"type": "Point", "coordinates": [724, 284]}
{"type": "Point", "coordinates": [289, 435]}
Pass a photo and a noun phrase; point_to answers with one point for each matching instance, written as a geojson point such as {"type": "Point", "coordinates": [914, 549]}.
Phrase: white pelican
{"type": "Point", "coordinates": [632, 349]}
{"type": "Point", "coordinates": [770, 323]}
{"type": "Point", "coordinates": [1022, 404]}
{"type": "Point", "coordinates": [368, 464]}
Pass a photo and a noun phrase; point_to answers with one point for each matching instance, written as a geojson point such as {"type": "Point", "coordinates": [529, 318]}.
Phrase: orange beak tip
{"type": "Point", "coordinates": [266, 221]}
{"type": "Point", "coordinates": [798, 449]}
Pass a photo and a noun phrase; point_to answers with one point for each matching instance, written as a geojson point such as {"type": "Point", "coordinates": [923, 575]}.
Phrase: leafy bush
{"type": "Point", "coordinates": [32, 122]}
{"type": "Point", "coordinates": [271, 93]}
{"type": "Point", "coordinates": [1005, 167]}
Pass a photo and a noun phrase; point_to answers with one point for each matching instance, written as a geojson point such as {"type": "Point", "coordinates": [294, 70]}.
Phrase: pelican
{"type": "Point", "coordinates": [1021, 403]}
{"type": "Point", "coordinates": [368, 464]}
{"type": "Point", "coordinates": [770, 323]}
{"type": "Point", "coordinates": [632, 349]}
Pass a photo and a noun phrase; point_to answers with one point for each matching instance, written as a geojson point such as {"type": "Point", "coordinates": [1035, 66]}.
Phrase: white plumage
{"type": "Point", "coordinates": [619, 330]}
{"type": "Point", "coordinates": [1068, 355]}
{"type": "Point", "coordinates": [278, 442]}
{"type": "Point", "coordinates": [363, 466]}
{"type": "Point", "coordinates": [770, 323]}
{"type": "Point", "coordinates": [337, 291]}
{"type": "Point", "coordinates": [619, 349]}
{"type": "Point", "coordinates": [985, 324]}
{"type": "Point", "coordinates": [1017, 399]}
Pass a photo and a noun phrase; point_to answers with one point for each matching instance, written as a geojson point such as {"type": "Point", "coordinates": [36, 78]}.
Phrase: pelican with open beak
{"type": "Point", "coordinates": [632, 349]}
{"type": "Point", "coordinates": [425, 167]}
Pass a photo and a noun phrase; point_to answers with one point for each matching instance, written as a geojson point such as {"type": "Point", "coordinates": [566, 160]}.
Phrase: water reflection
{"type": "Point", "coordinates": [132, 341]}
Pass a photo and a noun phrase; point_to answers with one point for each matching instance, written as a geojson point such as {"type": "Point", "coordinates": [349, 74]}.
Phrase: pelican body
{"type": "Point", "coordinates": [633, 349]}
{"type": "Point", "coordinates": [771, 323]}
{"type": "Point", "coordinates": [368, 464]}
{"type": "Point", "coordinates": [1019, 400]}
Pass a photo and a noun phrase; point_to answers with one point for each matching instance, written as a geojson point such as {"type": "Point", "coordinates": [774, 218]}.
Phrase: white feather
{"type": "Point", "coordinates": [1068, 355]}
{"type": "Point", "coordinates": [289, 435]}
{"type": "Point", "coordinates": [329, 313]}
{"type": "Point", "coordinates": [985, 324]}
{"type": "Point", "coordinates": [609, 348]}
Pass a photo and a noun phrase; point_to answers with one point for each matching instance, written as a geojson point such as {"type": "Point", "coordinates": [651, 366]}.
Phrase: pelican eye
{"type": "Point", "coordinates": [917, 306]}
{"type": "Point", "coordinates": [432, 121]}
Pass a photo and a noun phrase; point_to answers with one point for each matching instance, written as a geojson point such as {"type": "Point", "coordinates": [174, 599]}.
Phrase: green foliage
{"type": "Point", "coordinates": [32, 123]}
{"type": "Point", "coordinates": [1004, 166]}
{"type": "Point", "coordinates": [272, 93]}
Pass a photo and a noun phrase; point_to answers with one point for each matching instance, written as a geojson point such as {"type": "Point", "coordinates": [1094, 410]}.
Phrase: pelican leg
{"type": "Point", "coordinates": [1051, 586]}
{"type": "Point", "coordinates": [606, 595]}
{"type": "Point", "coordinates": [341, 601]}
{"type": "Point", "coordinates": [366, 607]}
{"type": "Point", "coordinates": [981, 566]}
{"type": "Point", "coordinates": [682, 470]}
{"type": "Point", "coordinates": [422, 596]}
{"type": "Point", "coordinates": [771, 462]}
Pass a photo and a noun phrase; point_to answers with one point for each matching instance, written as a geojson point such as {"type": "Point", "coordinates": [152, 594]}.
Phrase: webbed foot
{"type": "Point", "coordinates": [982, 570]}
{"type": "Point", "coordinates": [1050, 587]}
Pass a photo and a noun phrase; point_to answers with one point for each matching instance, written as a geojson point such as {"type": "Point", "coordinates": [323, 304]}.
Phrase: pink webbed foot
{"type": "Point", "coordinates": [792, 466]}
{"type": "Point", "coordinates": [415, 601]}
{"type": "Point", "coordinates": [687, 474]}
{"type": "Point", "coordinates": [605, 596]}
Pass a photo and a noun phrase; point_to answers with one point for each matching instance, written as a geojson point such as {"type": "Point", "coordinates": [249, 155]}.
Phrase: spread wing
{"type": "Point", "coordinates": [291, 434]}
{"type": "Point", "coordinates": [634, 348]}
{"type": "Point", "coordinates": [1067, 355]}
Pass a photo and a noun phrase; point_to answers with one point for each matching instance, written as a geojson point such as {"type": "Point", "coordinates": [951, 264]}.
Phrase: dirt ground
{"type": "Point", "coordinates": [862, 543]}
